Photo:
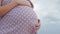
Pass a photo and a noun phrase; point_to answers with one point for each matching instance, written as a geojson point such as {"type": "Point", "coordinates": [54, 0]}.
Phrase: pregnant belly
{"type": "Point", "coordinates": [24, 12]}
{"type": "Point", "coordinates": [22, 18]}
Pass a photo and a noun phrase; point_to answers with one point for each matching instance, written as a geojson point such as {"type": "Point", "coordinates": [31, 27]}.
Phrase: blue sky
{"type": "Point", "coordinates": [48, 11]}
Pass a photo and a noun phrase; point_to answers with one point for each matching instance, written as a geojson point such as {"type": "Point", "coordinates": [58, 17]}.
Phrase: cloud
{"type": "Point", "coordinates": [49, 13]}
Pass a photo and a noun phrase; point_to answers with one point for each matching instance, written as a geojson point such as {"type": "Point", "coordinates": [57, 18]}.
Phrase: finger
{"type": "Point", "coordinates": [38, 25]}
{"type": "Point", "coordinates": [38, 20]}
{"type": "Point", "coordinates": [37, 28]}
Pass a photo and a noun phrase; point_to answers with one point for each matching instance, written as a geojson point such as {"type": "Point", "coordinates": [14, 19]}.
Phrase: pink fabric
{"type": "Point", "coordinates": [19, 20]}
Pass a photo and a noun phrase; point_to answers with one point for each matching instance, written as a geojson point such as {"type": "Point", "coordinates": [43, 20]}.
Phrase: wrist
{"type": "Point", "coordinates": [27, 3]}
{"type": "Point", "coordinates": [15, 3]}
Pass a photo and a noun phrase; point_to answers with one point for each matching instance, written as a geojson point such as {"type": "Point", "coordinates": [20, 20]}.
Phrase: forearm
{"type": "Point", "coordinates": [6, 8]}
{"type": "Point", "coordinates": [0, 2]}
{"type": "Point", "coordinates": [26, 3]}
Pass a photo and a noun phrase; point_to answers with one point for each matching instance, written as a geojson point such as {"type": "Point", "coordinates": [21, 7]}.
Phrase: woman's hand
{"type": "Point", "coordinates": [37, 25]}
{"type": "Point", "coordinates": [23, 2]}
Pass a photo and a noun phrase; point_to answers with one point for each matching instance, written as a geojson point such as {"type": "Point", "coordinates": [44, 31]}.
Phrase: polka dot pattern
{"type": "Point", "coordinates": [19, 20]}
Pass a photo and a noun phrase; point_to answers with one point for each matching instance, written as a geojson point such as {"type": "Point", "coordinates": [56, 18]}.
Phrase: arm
{"type": "Point", "coordinates": [23, 2]}
{"type": "Point", "coordinates": [0, 2]}
{"type": "Point", "coordinates": [6, 8]}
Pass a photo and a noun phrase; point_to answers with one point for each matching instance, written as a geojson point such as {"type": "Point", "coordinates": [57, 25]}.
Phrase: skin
{"type": "Point", "coordinates": [6, 8]}
{"type": "Point", "coordinates": [0, 2]}
{"type": "Point", "coordinates": [37, 27]}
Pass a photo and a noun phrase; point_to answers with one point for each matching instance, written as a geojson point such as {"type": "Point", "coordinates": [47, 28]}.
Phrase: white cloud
{"type": "Point", "coordinates": [49, 13]}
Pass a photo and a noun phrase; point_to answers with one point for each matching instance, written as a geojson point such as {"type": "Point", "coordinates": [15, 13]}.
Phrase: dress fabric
{"type": "Point", "coordinates": [20, 20]}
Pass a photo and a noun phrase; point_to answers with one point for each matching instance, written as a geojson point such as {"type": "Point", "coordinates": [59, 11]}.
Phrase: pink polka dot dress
{"type": "Point", "coordinates": [19, 20]}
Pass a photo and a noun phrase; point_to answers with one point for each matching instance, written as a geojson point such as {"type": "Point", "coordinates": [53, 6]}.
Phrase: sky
{"type": "Point", "coordinates": [48, 11]}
